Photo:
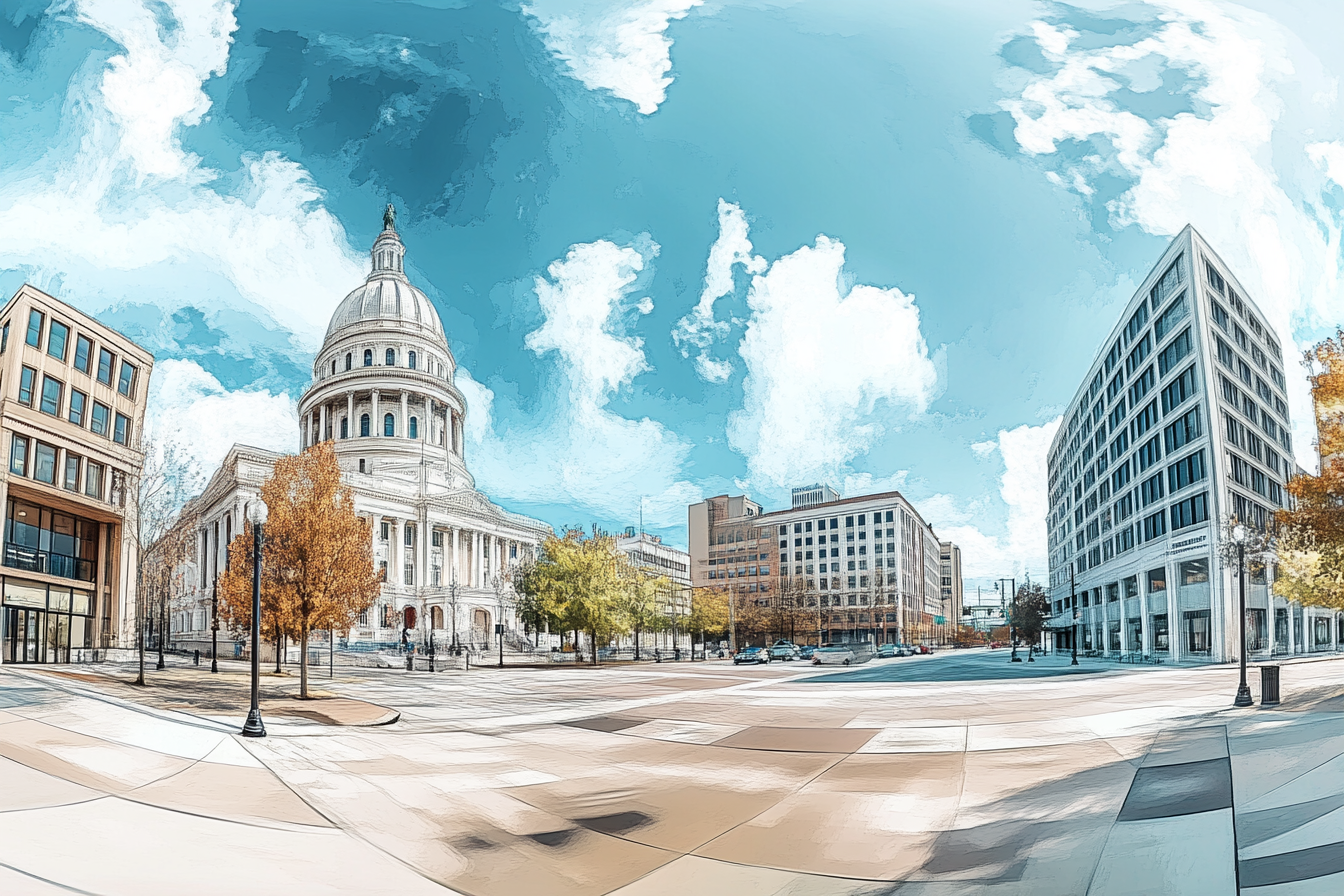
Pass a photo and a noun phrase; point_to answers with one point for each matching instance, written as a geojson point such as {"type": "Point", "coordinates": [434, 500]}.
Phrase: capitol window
{"type": "Point", "coordinates": [389, 425]}
{"type": "Point", "coordinates": [348, 359]}
{"type": "Point", "coordinates": [364, 425]}
{"type": "Point", "coordinates": [345, 427]}
{"type": "Point", "coordinates": [390, 359]}
{"type": "Point", "coordinates": [410, 360]}
{"type": "Point", "coordinates": [413, 428]}
{"type": "Point", "coordinates": [368, 357]}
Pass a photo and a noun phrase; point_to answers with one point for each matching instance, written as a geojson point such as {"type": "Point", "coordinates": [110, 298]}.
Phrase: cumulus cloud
{"type": "Point", "coordinates": [191, 409]}
{"type": "Point", "coordinates": [619, 47]}
{"type": "Point", "coordinates": [580, 452]}
{"type": "Point", "coordinates": [118, 206]}
{"type": "Point", "coordinates": [1227, 164]}
{"type": "Point", "coordinates": [821, 357]}
{"type": "Point", "coordinates": [1022, 486]}
{"type": "Point", "coordinates": [701, 328]}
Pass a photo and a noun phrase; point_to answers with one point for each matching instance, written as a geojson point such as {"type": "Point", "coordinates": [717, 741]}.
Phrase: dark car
{"type": "Point", "coordinates": [751, 655]}
{"type": "Point", "coordinates": [805, 653]}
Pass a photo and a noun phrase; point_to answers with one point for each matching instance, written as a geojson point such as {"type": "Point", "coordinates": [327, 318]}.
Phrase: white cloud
{"type": "Point", "coordinates": [581, 453]}
{"type": "Point", "coordinates": [700, 328]}
{"type": "Point", "coordinates": [190, 408]}
{"type": "Point", "coordinates": [1022, 486]}
{"type": "Point", "coordinates": [117, 209]}
{"type": "Point", "coordinates": [1227, 167]}
{"type": "Point", "coordinates": [619, 47]}
{"type": "Point", "coordinates": [986, 448]}
{"type": "Point", "coordinates": [821, 358]}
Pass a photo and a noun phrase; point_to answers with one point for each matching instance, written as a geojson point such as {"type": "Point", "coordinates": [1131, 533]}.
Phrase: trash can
{"type": "Point", "coordinates": [1269, 685]}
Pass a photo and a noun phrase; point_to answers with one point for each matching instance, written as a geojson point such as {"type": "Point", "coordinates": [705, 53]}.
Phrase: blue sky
{"type": "Point", "coordinates": [679, 247]}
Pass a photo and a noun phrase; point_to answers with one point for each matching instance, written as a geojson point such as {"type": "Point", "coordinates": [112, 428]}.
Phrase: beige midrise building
{"type": "Point", "coordinates": [72, 404]}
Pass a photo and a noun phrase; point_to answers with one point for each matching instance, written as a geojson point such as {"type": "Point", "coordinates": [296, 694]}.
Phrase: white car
{"type": "Point", "coordinates": [784, 650]}
{"type": "Point", "coordinates": [832, 656]}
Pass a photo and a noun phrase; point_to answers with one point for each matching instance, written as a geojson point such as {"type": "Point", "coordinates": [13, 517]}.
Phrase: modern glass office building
{"type": "Point", "coordinates": [1180, 423]}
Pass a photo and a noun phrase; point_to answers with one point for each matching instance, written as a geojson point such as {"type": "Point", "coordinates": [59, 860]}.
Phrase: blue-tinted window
{"type": "Point", "coordinates": [389, 425]}
{"type": "Point", "coordinates": [51, 396]}
{"type": "Point", "coordinates": [364, 425]}
{"type": "Point", "coordinates": [105, 361]}
{"type": "Point", "coordinates": [57, 339]}
{"type": "Point", "coordinates": [368, 357]}
{"type": "Point", "coordinates": [121, 432]}
{"type": "Point", "coordinates": [18, 456]}
{"type": "Point", "coordinates": [77, 401]}
{"type": "Point", "coordinates": [99, 419]}
{"type": "Point", "coordinates": [126, 379]}
{"type": "Point", "coordinates": [26, 379]}
{"type": "Point", "coordinates": [83, 353]}
{"type": "Point", "coordinates": [34, 337]}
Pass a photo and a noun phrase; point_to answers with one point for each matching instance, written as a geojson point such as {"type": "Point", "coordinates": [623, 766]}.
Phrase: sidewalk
{"type": "Point", "coordinates": [225, 696]}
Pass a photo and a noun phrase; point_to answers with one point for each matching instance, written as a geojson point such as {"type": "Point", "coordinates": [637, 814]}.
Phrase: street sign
{"type": "Point", "coordinates": [940, 620]}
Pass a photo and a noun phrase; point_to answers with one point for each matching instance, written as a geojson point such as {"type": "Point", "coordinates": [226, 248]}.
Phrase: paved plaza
{"type": "Point", "coordinates": [679, 778]}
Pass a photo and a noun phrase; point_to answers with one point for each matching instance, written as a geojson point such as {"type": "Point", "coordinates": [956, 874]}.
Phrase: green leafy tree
{"type": "Point", "coordinates": [1029, 612]}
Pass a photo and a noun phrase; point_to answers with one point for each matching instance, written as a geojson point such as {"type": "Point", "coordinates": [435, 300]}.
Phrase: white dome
{"type": "Point", "coordinates": [386, 296]}
{"type": "Point", "coordinates": [387, 299]}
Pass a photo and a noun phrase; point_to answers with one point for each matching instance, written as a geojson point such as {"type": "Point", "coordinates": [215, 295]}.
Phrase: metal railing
{"type": "Point", "coordinates": [32, 560]}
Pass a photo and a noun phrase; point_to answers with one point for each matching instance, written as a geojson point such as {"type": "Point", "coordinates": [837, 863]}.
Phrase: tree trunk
{"type": "Point", "coordinates": [303, 660]}
{"type": "Point", "coordinates": [279, 642]}
{"type": "Point", "coordinates": [140, 636]}
{"type": "Point", "coordinates": [636, 643]}
{"type": "Point", "coordinates": [592, 634]}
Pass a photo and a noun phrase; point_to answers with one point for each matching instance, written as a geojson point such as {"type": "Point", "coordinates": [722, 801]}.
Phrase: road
{"type": "Point", "coordinates": [974, 664]}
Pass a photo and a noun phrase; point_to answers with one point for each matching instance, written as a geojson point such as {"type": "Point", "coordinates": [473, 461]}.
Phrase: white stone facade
{"type": "Point", "coordinates": [383, 393]}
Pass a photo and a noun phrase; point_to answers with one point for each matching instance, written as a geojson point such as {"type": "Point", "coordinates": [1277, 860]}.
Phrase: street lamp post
{"type": "Point", "coordinates": [1073, 608]}
{"type": "Point", "coordinates": [214, 624]}
{"type": "Point", "coordinates": [1239, 536]}
{"type": "Point", "coordinates": [1012, 629]}
{"type": "Point", "coordinates": [253, 726]}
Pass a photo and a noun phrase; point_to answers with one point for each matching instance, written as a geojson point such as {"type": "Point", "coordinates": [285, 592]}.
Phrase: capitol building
{"type": "Point", "coordinates": [383, 394]}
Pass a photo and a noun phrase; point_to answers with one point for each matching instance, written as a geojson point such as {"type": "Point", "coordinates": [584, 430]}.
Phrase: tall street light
{"type": "Point", "coordinates": [257, 513]}
{"type": "Point", "coordinates": [1239, 536]}
{"type": "Point", "coordinates": [1073, 608]}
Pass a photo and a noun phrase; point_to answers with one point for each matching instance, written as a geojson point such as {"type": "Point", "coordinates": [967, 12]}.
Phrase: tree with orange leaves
{"type": "Point", "coordinates": [317, 555]}
{"type": "Point", "coordinates": [1310, 536]}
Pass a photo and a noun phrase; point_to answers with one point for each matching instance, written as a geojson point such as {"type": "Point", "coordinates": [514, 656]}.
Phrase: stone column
{"type": "Point", "coordinates": [405, 429]}
{"type": "Point", "coordinates": [350, 414]}
{"type": "Point", "coordinates": [451, 571]}
{"type": "Point", "coordinates": [1272, 620]}
{"type": "Point", "coordinates": [476, 559]}
{"type": "Point", "coordinates": [322, 424]}
{"type": "Point", "coordinates": [1292, 630]}
{"type": "Point", "coordinates": [1145, 629]}
{"type": "Point", "coordinates": [375, 425]}
{"type": "Point", "coordinates": [1174, 631]}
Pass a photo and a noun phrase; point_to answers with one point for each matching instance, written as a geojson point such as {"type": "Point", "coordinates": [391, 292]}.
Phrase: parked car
{"type": "Point", "coordinates": [925, 649]}
{"type": "Point", "coordinates": [805, 653]}
{"type": "Point", "coordinates": [751, 655]}
{"type": "Point", "coordinates": [784, 650]}
{"type": "Point", "coordinates": [886, 651]}
{"type": "Point", "coordinates": [832, 656]}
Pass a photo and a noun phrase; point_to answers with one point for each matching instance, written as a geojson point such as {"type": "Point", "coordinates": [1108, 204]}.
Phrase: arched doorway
{"type": "Point", "coordinates": [480, 626]}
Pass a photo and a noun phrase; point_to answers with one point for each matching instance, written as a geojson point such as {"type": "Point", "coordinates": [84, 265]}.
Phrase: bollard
{"type": "Point", "coordinates": [197, 659]}
{"type": "Point", "coordinates": [410, 660]}
{"type": "Point", "coordinates": [1269, 685]}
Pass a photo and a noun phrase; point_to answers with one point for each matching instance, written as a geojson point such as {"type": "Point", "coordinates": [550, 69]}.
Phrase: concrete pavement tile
{"type": "Point", "coordinates": [1259, 826]}
{"type": "Point", "coordinates": [1324, 829]}
{"type": "Point", "coordinates": [131, 726]}
{"type": "Point", "coordinates": [1321, 780]}
{"type": "Point", "coordinates": [1043, 786]}
{"type": "Point", "coordinates": [1051, 853]}
{"type": "Point", "coordinates": [839, 834]}
{"type": "Point", "coordinates": [129, 856]}
{"type": "Point", "coordinates": [902, 739]}
{"type": "Point", "coordinates": [693, 874]}
{"type": "Point", "coordinates": [799, 740]}
{"type": "Point", "coordinates": [1186, 745]}
{"type": "Point", "coordinates": [1163, 791]}
{"type": "Point", "coordinates": [16, 882]}
{"type": "Point", "coordinates": [1028, 734]}
{"type": "Point", "coordinates": [22, 787]}
{"type": "Point", "coordinates": [230, 752]}
{"type": "Point", "coordinates": [1259, 772]}
{"type": "Point", "coordinates": [231, 792]}
{"type": "Point", "coordinates": [683, 732]}
{"type": "Point", "coordinates": [98, 764]}
{"type": "Point", "coordinates": [1189, 855]}
{"type": "Point", "coordinates": [931, 775]}
{"type": "Point", "coordinates": [1326, 885]}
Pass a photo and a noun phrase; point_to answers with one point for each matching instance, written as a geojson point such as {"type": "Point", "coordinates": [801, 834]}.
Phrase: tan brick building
{"type": "Point", "coordinates": [72, 403]}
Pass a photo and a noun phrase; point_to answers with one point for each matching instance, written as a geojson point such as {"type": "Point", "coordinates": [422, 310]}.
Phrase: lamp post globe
{"type": "Point", "coordinates": [1239, 534]}
{"type": "Point", "coordinates": [256, 514]}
